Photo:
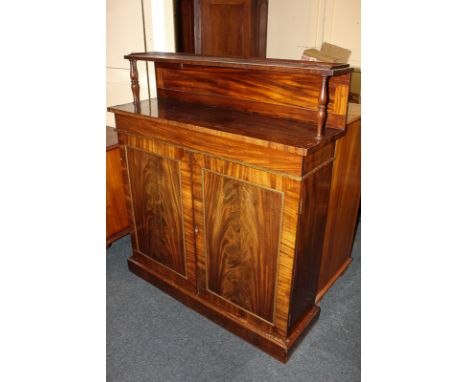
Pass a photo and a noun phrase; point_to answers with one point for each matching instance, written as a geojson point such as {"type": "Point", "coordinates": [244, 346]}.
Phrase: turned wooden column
{"type": "Point", "coordinates": [322, 112]}
{"type": "Point", "coordinates": [135, 83]}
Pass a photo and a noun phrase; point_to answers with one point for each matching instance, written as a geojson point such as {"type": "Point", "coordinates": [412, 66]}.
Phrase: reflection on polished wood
{"type": "Point", "coordinates": [155, 189]}
{"type": "Point", "coordinates": [345, 201]}
{"type": "Point", "coordinates": [235, 204]}
{"type": "Point", "coordinates": [116, 212]}
{"type": "Point", "coordinates": [280, 134]}
{"type": "Point", "coordinates": [242, 224]}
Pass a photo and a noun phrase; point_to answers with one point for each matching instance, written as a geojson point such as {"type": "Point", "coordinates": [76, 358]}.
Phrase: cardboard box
{"type": "Point", "coordinates": [327, 53]}
{"type": "Point", "coordinates": [332, 53]}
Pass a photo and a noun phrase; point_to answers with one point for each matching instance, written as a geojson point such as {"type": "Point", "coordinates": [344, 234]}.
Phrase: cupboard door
{"type": "Point", "coordinates": [246, 222]}
{"type": "Point", "coordinates": [161, 207]}
{"type": "Point", "coordinates": [226, 27]}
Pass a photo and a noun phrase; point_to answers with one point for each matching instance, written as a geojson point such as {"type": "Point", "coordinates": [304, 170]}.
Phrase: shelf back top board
{"type": "Point", "coordinates": [312, 92]}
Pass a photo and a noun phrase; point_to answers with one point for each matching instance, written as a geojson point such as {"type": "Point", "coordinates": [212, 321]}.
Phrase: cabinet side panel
{"type": "Point", "coordinates": [155, 185]}
{"type": "Point", "coordinates": [242, 223]}
{"type": "Point", "coordinates": [116, 210]}
{"type": "Point", "coordinates": [310, 235]}
{"type": "Point", "coordinates": [345, 198]}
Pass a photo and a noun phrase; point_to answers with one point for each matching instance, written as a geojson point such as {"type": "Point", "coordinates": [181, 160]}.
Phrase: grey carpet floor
{"type": "Point", "coordinates": [152, 337]}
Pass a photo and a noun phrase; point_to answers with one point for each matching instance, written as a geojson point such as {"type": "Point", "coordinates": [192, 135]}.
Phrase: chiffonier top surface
{"type": "Point", "coordinates": [288, 135]}
{"type": "Point", "coordinates": [270, 64]}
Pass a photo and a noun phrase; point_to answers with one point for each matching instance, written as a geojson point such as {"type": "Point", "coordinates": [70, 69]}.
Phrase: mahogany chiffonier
{"type": "Point", "coordinates": [228, 180]}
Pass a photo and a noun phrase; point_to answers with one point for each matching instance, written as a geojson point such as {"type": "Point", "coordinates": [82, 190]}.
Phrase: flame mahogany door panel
{"type": "Point", "coordinates": [161, 208]}
{"type": "Point", "coordinates": [245, 220]}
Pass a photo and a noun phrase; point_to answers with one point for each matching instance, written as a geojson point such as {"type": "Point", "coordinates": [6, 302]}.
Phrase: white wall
{"type": "Point", "coordinates": [295, 25]}
{"type": "Point", "coordinates": [163, 25]}
{"type": "Point", "coordinates": [124, 29]}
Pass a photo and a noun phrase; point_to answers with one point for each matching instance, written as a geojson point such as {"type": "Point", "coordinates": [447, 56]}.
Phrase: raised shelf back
{"type": "Point", "coordinates": [316, 93]}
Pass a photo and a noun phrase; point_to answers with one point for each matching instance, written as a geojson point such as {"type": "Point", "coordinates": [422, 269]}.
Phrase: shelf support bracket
{"type": "Point", "coordinates": [135, 83]}
{"type": "Point", "coordinates": [322, 112]}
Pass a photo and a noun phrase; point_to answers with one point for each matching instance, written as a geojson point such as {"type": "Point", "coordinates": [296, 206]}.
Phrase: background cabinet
{"type": "Point", "coordinates": [116, 210]}
{"type": "Point", "coordinates": [221, 27]}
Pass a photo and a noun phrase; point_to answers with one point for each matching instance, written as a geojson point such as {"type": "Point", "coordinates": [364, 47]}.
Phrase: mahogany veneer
{"type": "Point", "coordinates": [116, 210]}
{"type": "Point", "coordinates": [229, 180]}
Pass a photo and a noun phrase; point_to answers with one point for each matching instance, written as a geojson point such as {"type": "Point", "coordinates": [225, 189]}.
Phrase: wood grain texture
{"type": "Point", "coordinates": [116, 210]}
{"type": "Point", "coordinates": [172, 155]}
{"type": "Point", "coordinates": [279, 347]}
{"type": "Point", "coordinates": [322, 105]}
{"type": "Point", "coordinates": [241, 127]}
{"type": "Point", "coordinates": [345, 199]}
{"type": "Point", "coordinates": [318, 158]}
{"type": "Point", "coordinates": [242, 225]}
{"type": "Point", "coordinates": [268, 64]}
{"type": "Point", "coordinates": [285, 95]}
{"type": "Point", "coordinates": [315, 192]}
{"type": "Point", "coordinates": [255, 155]}
{"type": "Point", "coordinates": [290, 189]}
{"type": "Point", "coordinates": [221, 27]}
{"type": "Point", "coordinates": [230, 205]}
{"type": "Point", "coordinates": [226, 27]}
{"type": "Point", "coordinates": [156, 191]}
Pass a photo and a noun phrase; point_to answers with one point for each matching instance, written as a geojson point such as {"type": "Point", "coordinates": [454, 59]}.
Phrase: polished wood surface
{"type": "Point", "coordinates": [294, 96]}
{"type": "Point", "coordinates": [345, 200]}
{"type": "Point", "coordinates": [233, 27]}
{"type": "Point", "coordinates": [157, 204]}
{"type": "Point", "coordinates": [116, 212]}
{"type": "Point", "coordinates": [278, 161]}
{"type": "Point", "coordinates": [312, 92]}
{"type": "Point", "coordinates": [233, 206]}
{"type": "Point", "coordinates": [135, 82]}
{"type": "Point", "coordinates": [160, 149]}
{"type": "Point", "coordinates": [276, 346]}
{"type": "Point", "coordinates": [266, 64]}
{"type": "Point", "coordinates": [242, 225]}
{"type": "Point", "coordinates": [256, 178]}
{"type": "Point", "coordinates": [221, 27]}
{"type": "Point", "coordinates": [315, 191]}
{"type": "Point", "coordinates": [323, 100]}
{"type": "Point", "coordinates": [263, 132]}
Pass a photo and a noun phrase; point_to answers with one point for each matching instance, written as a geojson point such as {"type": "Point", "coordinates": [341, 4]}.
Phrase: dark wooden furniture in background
{"type": "Point", "coordinates": [221, 27]}
{"type": "Point", "coordinates": [116, 210]}
{"type": "Point", "coordinates": [229, 177]}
